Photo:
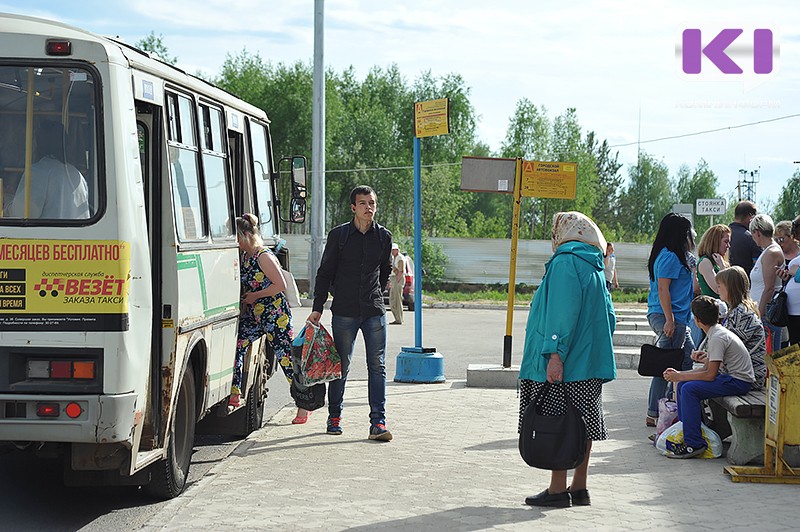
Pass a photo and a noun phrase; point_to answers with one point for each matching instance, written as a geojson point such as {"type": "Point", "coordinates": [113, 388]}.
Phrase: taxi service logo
{"type": "Point", "coordinates": [109, 286]}
{"type": "Point", "coordinates": [51, 286]}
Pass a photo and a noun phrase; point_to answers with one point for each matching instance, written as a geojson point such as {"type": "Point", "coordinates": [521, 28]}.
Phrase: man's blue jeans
{"type": "Point", "coordinates": [690, 396]}
{"type": "Point", "coordinates": [680, 338]}
{"type": "Point", "coordinates": [373, 329]}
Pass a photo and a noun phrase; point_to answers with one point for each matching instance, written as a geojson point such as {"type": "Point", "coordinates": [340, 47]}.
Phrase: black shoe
{"type": "Point", "coordinates": [545, 498]}
{"type": "Point", "coordinates": [580, 497]}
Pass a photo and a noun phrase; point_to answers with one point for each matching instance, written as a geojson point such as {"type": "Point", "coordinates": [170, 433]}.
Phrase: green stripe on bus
{"type": "Point", "coordinates": [221, 374]}
{"type": "Point", "coordinates": [187, 262]}
{"type": "Point", "coordinates": [219, 310]}
{"type": "Point", "coordinates": [203, 293]}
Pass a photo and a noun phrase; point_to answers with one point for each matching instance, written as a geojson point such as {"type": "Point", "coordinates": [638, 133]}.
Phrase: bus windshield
{"type": "Point", "coordinates": [48, 151]}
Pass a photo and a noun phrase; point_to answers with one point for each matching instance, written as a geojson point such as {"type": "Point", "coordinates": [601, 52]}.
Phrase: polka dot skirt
{"type": "Point", "coordinates": [585, 395]}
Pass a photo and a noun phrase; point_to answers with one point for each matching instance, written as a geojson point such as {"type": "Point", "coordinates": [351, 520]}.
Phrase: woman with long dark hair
{"type": "Point", "coordinates": [671, 293]}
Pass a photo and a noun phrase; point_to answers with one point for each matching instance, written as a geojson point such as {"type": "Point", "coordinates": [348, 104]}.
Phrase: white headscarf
{"type": "Point", "coordinates": [573, 225]}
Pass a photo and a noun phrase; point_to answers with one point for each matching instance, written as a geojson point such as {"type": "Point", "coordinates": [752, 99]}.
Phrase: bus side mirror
{"type": "Point", "coordinates": [298, 210]}
{"type": "Point", "coordinates": [297, 198]}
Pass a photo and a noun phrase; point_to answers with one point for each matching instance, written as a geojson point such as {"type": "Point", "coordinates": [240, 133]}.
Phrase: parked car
{"type": "Point", "coordinates": [408, 289]}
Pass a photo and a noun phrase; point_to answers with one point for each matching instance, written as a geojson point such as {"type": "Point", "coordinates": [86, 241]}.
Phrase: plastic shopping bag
{"type": "Point", "coordinates": [674, 434]}
{"type": "Point", "coordinates": [319, 361]}
{"type": "Point", "coordinates": [667, 415]}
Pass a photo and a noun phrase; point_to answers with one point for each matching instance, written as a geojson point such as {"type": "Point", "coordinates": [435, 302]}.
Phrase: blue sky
{"type": "Point", "coordinates": [614, 61]}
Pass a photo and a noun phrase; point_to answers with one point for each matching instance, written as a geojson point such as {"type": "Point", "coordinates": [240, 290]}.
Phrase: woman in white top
{"type": "Point", "coordinates": [764, 274]}
{"type": "Point", "coordinates": [791, 277]}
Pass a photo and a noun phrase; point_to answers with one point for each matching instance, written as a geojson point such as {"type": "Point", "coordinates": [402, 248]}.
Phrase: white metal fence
{"type": "Point", "coordinates": [486, 260]}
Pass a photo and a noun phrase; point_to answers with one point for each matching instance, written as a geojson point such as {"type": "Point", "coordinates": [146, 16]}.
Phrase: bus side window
{"type": "Point", "coordinates": [189, 213]}
{"type": "Point", "coordinates": [218, 192]}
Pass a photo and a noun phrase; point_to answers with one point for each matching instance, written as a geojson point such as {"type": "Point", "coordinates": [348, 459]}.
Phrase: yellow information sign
{"type": "Point", "coordinates": [549, 179]}
{"type": "Point", "coordinates": [432, 118]}
{"type": "Point", "coordinates": [65, 285]}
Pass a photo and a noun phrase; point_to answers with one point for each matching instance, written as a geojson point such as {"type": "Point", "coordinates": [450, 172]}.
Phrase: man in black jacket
{"type": "Point", "coordinates": [357, 260]}
{"type": "Point", "coordinates": [743, 251]}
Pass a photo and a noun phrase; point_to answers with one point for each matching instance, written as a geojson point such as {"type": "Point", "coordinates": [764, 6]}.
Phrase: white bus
{"type": "Point", "coordinates": [119, 265]}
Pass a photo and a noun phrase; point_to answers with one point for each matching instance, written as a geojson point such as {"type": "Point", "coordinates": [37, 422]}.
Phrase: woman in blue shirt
{"type": "Point", "coordinates": [670, 297]}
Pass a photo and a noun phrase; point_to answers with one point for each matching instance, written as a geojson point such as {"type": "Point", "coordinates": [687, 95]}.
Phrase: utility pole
{"type": "Point", "coordinates": [317, 149]}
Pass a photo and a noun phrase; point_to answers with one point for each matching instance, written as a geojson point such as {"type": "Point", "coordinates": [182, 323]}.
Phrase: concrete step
{"type": "Point", "coordinates": [633, 338]}
{"type": "Point", "coordinates": [627, 357]}
{"type": "Point", "coordinates": [631, 310]}
{"type": "Point", "coordinates": [631, 317]}
{"type": "Point", "coordinates": [633, 326]}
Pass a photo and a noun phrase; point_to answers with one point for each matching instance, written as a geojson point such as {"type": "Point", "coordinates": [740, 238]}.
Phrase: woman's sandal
{"type": "Point", "coordinates": [299, 420]}
{"type": "Point", "coordinates": [650, 422]}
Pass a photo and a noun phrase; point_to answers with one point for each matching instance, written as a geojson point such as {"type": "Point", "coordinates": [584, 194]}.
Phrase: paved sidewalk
{"type": "Point", "coordinates": [454, 465]}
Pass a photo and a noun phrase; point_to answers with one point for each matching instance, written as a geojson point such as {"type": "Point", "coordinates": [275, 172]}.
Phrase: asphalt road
{"type": "Point", "coordinates": [32, 496]}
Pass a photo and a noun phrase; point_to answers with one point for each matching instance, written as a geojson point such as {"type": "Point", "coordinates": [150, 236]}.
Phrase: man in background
{"type": "Point", "coordinates": [398, 283]}
{"type": "Point", "coordinates": [743, 251]}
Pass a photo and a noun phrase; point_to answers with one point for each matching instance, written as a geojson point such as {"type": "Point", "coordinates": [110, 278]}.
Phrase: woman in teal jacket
{"type": "Point", "coordinates": [568, 343]}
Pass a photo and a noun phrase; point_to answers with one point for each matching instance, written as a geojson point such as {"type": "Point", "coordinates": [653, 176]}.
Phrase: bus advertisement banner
{"type": "Point", "coordinates": [64, 285]}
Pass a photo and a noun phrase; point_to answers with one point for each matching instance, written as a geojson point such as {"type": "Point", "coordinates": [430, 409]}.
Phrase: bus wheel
{"type": "Point", "coordinates": [168, 478]}
{"type": "Point", "coordinates": [250, 418]}
{"type": "Point", "coordinates": [256, 400]}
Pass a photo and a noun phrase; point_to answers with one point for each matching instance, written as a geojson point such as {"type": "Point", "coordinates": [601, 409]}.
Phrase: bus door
{"type": "Point", "coordinates": [149, 129]}
{"type": "Point", "coordinates": [206, 288]}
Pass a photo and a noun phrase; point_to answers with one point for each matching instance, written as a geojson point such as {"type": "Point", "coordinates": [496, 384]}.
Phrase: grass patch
{"type": "Point", "coordinates": [481, 296]}
{"type": "Point", "coordinates": [627, 295]}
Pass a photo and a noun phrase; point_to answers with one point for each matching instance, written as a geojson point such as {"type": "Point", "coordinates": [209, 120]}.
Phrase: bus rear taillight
{"type": "Point", "coordinates": [58, 47]}
{"type": "Point", "coordinates": [47, 409]}
{"type": "Point", "coordinates": [61, 369]}
{"type": "Point", "coordinates": [73, 410]}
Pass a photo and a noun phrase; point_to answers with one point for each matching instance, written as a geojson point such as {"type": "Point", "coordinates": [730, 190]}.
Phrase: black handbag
{"type": "Point", "coordinates": [777, 313]}
{"type": "Point", "coordinates": [654, 361]}
{"type": "Point", "coordinates": [556, 443]}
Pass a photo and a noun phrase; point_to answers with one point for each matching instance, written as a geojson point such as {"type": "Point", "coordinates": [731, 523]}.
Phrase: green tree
{"type": "Point", "coordinates": [568, 146]}
{"type": "Point", "coordinates": [646, 200]}
{"type": "Point", "coordinates": [609, 183]}
{"type": "Point", "coordinates": [155, 44]}
{"type": "Point", "coordinates": [528, 136]}
{"type": "Point", "coordinates": [788, 205]}
{"type": "Point", "coordinates": [691, 186]}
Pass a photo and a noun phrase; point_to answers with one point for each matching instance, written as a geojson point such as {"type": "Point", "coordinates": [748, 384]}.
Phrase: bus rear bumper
{"type": "Point", "coordinates": [56, 418]}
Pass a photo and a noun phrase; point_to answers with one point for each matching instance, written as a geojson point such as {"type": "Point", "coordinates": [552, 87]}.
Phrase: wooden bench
{"type": "Point", "coordinates": [743, 418]}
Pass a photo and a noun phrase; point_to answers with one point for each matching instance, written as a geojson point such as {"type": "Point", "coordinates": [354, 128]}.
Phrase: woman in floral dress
{"type": "Point", "coordinates": [265, 310]}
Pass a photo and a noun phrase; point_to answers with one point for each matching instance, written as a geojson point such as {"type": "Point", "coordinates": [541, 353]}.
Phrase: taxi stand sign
{"type": "Point", "coordinates": [432, 118]}
{"type": "Point", "coordinates": [549, 179]}
{"type": "Point", "coordinates": [710, 207]}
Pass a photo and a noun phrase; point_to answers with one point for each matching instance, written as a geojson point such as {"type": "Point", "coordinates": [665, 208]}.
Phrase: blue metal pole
{"type": "Point", "coordinates": [417, 244]}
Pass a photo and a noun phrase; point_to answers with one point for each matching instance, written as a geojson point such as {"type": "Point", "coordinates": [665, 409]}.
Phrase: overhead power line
{"type": "Point", "coordinates": [673, 137]}
{"type": "Point", "coordinates": [389, 168]}
{"type": "Point", "coordinates": [705, 132]}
